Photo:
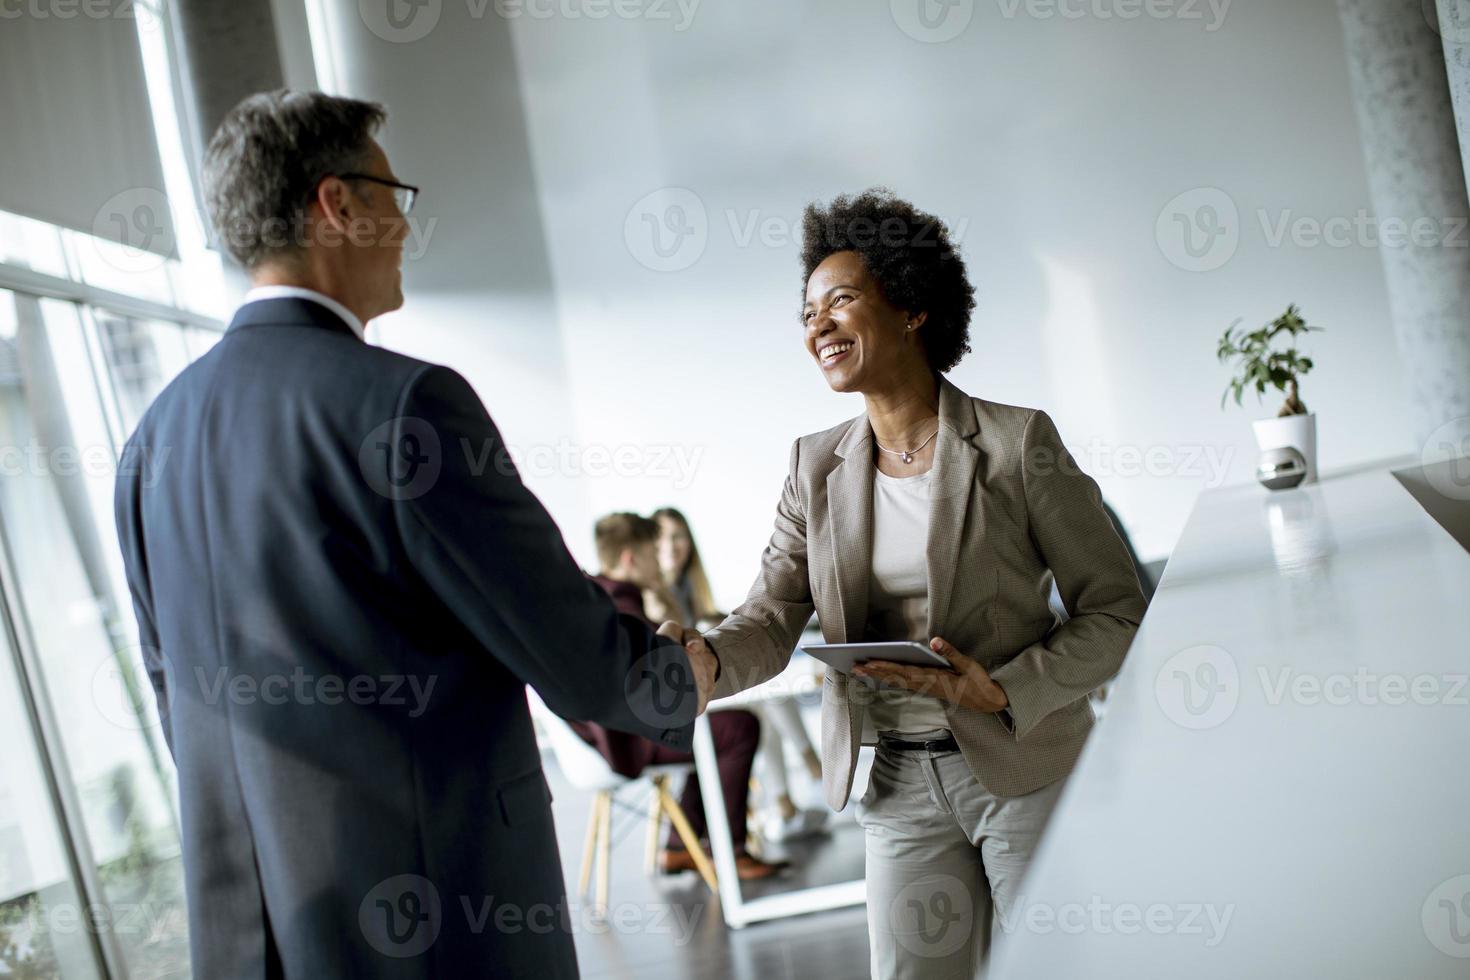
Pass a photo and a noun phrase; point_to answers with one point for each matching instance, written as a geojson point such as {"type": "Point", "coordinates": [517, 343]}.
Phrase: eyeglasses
{"type": "Point", "coordinates": [403, 194]}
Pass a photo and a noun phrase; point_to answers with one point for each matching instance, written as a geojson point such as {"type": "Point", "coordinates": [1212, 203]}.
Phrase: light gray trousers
{"type": "Point", "coordinates": [944, 857]}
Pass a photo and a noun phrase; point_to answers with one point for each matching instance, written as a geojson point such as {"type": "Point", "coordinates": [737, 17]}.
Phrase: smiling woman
{"type": "Point", "coordinates": [901, 260]}
{"type": "Point", "coordinates": [942, 519]}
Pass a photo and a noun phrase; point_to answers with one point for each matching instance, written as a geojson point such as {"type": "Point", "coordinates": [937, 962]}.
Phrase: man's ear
{"type": "Point", "coordinates": [332, 200]}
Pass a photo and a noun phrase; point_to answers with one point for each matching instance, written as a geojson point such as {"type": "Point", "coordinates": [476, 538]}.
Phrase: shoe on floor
{"type": "Point", "coordinates": [774, 828]}
{"type": "Point", "coordinates": [748, 868]}
{"type": "Point", "coordinates": [751, 868]}
{"type": "Point", "coordinates": [672, 862]}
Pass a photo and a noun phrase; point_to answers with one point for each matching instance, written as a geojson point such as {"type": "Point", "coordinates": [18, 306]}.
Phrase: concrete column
{"type": "Point", "coordinates": [1397, 64]}
{"type": "Point", "coordinates": [1454, 28]}
{"type": "Point", "coordinates": [478, 283]}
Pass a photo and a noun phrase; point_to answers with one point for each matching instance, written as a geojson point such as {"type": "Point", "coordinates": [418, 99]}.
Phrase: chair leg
{"type": "Point", "coordinates": [655, 823]}
{"type": "Point", "coordinates": [690, 839]}
{"type": "Point", "coordinates": [594, 823]}
{"type": "Point", "coordinates": [604, 847]}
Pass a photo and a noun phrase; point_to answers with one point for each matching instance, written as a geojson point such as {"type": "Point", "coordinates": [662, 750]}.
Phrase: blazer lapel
{"type": "Point", "coordinates": [850, 506]}
{"type": "Point", "coordinates": [956, 459]}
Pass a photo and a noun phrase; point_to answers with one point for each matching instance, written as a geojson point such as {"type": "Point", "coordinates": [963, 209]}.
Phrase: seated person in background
{"type": "Point", "coordinates": [687, 599]}
{"type": "Point", "coordinates": [627, 548]}
{"type": "Point", "coordinates": [686, 595]}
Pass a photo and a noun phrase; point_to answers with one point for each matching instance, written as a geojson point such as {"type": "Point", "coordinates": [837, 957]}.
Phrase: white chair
{"type": "Point", "coordinates": [585, 768]}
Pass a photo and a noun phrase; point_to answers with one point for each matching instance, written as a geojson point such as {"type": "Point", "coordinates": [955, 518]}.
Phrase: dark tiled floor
{"type": "Point", "coordinates": [671, 926]}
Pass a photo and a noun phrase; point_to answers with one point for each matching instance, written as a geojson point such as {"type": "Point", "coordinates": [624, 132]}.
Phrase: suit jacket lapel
{"type": "Point", "coordinates": [850, 505]}
{"type": "Point", "coordinates": [956, 459]}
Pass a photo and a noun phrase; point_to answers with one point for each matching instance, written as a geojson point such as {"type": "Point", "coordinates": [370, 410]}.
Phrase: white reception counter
{"type": "Point", "coordinates": [1281, 784]}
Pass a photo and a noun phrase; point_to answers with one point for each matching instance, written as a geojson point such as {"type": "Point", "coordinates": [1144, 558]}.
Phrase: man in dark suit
{"type": "Point", "coordinates": [343, 587]}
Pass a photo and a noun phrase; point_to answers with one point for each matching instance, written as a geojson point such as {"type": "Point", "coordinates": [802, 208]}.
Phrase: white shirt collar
{"type": "Point", "coordinates": [297, 292]}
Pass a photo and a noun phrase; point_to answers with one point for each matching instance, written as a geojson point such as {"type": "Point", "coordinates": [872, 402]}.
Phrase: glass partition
{"type": "Point", "coordinates": [72, 381]}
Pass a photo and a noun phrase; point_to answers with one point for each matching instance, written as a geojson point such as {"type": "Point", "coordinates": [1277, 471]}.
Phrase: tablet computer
{"type": "Point", "coordinates": [844, 656]}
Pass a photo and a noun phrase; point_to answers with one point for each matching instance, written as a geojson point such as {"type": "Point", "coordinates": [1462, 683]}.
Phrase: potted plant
{"type": "Point", "coordinates": [1258, 366]}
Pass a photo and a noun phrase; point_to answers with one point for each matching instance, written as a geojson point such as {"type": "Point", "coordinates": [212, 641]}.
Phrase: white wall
{"type": "Point", "coordinates": [1057, 142]}
{"type": "Point", "coordinates": [476, 274]}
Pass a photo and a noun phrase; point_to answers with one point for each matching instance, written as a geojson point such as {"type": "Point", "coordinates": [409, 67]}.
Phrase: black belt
{"type": "Point", "coordinates": [946, 744]}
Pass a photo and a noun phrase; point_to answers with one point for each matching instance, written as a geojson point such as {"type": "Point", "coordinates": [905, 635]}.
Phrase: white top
{"type": "Point", "coordinates": [1278, 786]}
{"type": "Point", "coordinates": [898, 597]}
{"type": "Point", "coordinates": [297, 292]}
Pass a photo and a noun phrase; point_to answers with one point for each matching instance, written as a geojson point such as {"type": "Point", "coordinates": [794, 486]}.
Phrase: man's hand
{"type": "Point", "coordinates": [701, 658]}
{"type": "Point", "coordinates": [967, 684]}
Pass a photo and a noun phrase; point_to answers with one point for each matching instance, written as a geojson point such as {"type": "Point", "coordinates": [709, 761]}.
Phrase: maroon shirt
{"type": "Point", "coordinates": [626, 754]}
{"type": "Point", "coordinates": [625, 595]}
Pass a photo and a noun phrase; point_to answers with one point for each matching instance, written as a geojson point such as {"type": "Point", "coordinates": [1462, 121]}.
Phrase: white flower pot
{"type": "Point", "coordinates": [1297, 432]}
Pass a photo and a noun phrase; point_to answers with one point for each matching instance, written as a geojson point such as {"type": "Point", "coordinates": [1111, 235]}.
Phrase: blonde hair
{"type": "Point", "coordinates": [616, 533]}
{"type": "Point", "coordinates": [702, 599]}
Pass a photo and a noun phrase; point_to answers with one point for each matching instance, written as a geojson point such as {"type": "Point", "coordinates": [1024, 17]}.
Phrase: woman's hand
{"type": "Point", "coordinates": [967, 684]}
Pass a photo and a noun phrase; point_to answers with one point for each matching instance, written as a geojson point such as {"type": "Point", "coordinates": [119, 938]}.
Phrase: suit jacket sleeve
{"type": "Point", "coordinates": [755, 642]}
{"type": "Point", "coordinates": [1094, 575]}
{"type": "Point", "coordinates": [491, 552]}
{"type": "Point", "coordinates": [127, 513]}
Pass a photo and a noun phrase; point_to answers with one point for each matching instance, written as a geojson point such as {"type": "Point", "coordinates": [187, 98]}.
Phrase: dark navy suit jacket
{"type": "Point", "coordinates": [342, 589]}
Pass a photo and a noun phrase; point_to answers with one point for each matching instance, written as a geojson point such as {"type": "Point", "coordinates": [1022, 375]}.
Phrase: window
{"type": "Point", "coordinates": [58, 457]}
{"type": "Point", "coordinates": [90, 332]}
{"type": "Point", "coordinates": [38, 896]}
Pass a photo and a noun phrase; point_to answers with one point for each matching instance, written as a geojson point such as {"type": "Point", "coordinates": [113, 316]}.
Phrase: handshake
{"type": "Point", "coordinates": [701, 658]}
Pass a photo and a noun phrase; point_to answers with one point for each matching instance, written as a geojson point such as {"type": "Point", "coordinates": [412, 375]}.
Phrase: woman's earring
{"type": "Point", "coordinates": [912, 325]}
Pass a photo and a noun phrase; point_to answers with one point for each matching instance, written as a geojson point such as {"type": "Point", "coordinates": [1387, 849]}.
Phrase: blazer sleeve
{"type": "Point", "coordinates": [755, 642]}
{"type": "Point", "coordinates": [487, 547]}
{"type": "Point", "coordinates": [1095, 577]}
{"type": "Point", "coordinates": [127, 512]}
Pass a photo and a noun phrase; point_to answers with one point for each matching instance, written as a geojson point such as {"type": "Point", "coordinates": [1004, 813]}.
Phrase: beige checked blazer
{"type": "Point", "coordinates": [1008, 503]}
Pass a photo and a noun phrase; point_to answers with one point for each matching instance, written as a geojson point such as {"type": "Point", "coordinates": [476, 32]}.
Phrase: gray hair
{"type": "Point", "coordinates": [266, 159]}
